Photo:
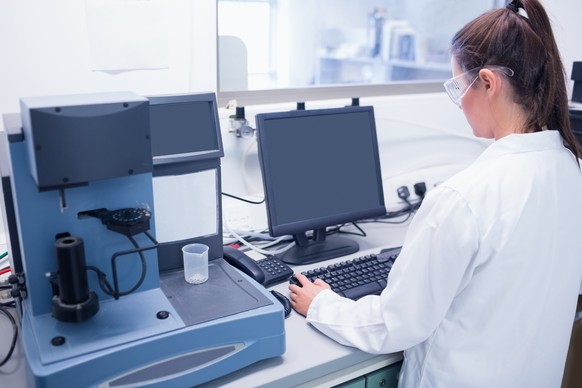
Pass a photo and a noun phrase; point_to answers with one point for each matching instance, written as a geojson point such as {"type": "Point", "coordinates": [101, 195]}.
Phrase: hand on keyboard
{"type": "Point", "coordinates": [355, 278]}
{"type": "Point", "coordinates": [303, 291]}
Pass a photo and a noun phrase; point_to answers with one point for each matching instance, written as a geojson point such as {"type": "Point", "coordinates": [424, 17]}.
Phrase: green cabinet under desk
{"type": "Point", "coordinates": [386, 377]}
{"type": "Point", "coordinates": [358, 382]}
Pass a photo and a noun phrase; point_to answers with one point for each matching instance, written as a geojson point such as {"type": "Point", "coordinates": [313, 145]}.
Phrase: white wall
{"type": "Point", "coordinates": [45, 50]}
{"type": "Point", "coordinates": [565, 17]}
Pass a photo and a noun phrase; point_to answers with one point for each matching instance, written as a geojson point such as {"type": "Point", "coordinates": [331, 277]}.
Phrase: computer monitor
{"type": "Point", "coordinates": [320, 168]}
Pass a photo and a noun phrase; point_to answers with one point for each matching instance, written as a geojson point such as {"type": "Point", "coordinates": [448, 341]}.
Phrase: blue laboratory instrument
{"type": "Point", "coordinates": [103, 300]}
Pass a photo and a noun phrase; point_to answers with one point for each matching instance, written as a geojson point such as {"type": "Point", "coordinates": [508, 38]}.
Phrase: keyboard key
{"type": "Point", "coordinates": [355, 293]}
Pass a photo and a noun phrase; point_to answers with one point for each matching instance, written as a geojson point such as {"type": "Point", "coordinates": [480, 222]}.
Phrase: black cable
{"type": "Point", "coordinates": [114, 291]}
{"type": "Point", "coordinates": [382, 220]}
{"type": "Point", "coordinates": [338, 229]}
{"type": "Point", "coordinates": [103, 283]}
{"type": "Point", "coordinates": [407, 211]}
{"type": "Point", "coordinates": [14, 335]}
{"type": "Point", "coordinates": [143, 270]}
{"type": "Point", "coordinates": [410, 206]}
{"type": "Point", "coordinates": [243, 199]}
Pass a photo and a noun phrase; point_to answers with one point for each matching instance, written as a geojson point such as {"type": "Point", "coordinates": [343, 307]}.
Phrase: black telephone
{"type": "Point", "coordinates": [267, 271]}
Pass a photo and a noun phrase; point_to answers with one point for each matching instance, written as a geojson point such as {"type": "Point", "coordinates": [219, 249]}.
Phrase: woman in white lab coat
{"type": "Point", "coordinates": [484, 291]}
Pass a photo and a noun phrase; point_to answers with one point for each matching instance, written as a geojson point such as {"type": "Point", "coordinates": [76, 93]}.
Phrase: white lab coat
{"type": "Point", "coordinates": [484, 291]}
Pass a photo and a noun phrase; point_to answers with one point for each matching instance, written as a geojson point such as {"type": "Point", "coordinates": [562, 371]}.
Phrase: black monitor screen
{"type": "Point", "coordinates": [184, 125]}
{"type": "Point", "coordinates": [320, 168]}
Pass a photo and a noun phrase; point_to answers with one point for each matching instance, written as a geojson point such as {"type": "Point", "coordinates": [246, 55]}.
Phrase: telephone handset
{"type": "Point", "coordinates": [239, 260]}
{"type": "Point", "coordinates": [267, 271]}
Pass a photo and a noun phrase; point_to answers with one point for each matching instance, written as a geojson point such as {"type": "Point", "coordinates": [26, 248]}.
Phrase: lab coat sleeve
{"type": "Point", "coordinates": [435, 263]}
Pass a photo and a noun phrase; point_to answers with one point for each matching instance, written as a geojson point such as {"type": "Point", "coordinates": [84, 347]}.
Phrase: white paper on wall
{"type": "Point", "coordinates": [127, 34]}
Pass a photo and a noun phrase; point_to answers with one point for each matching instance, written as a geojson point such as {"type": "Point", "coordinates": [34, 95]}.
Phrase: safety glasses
{"type": "Point", "coordinates": [458, 86]}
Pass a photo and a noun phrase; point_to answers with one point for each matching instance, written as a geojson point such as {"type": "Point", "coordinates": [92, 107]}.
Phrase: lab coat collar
{"type": "Point", "coordinates": [523, 142]}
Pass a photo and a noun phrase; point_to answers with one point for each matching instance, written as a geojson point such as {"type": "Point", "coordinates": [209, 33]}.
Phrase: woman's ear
{"type": "Point", "coordinates": [489, 79]}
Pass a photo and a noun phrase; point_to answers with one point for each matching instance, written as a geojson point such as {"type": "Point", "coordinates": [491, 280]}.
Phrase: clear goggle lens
{"type": "Point", "coordinates": [458, 86]}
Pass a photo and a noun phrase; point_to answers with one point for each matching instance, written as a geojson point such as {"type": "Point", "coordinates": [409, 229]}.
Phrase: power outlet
{"type": "Point", "coordinates": [391, 189]}
{"type": "Point", "coordinates": [432, 177]}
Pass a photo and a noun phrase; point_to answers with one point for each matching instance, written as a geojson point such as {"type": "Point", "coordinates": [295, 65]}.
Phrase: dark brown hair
{"type": "Point", "coordinates": [525, 44]}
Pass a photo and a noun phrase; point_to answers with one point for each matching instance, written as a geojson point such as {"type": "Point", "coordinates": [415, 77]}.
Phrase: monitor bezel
{"type": "Point", "coordinates": [280, 229]}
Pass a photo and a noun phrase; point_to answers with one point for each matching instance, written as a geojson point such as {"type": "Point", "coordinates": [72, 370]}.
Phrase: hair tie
{"type": "Point", "coordinates": [517, 9]}
{"type": "Point", "coordinates": [512, 7]}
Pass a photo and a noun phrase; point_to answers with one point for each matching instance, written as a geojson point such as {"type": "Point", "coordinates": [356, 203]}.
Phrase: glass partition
{"type": "Point", "coordinates": [302, 44]}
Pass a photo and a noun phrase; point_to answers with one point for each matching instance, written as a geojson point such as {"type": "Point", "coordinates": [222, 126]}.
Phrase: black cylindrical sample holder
{"type": "Point", "coordinates": [74, 302]}
{"type": "Point", "coordinates": [72, 281]}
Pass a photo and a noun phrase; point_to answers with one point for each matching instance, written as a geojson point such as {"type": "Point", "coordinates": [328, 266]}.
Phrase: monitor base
{"type": "Point", "coordinates": [315, 251]}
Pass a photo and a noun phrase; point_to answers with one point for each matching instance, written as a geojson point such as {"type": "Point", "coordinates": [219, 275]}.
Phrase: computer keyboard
{"type": "Point", "coordinates": [355, 278]}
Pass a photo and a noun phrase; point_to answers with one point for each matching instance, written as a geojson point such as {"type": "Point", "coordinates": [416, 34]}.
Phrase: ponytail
{"type": "Point", "coordinates": [519, 36]}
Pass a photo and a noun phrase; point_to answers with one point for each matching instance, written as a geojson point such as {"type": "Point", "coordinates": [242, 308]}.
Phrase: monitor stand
{"type": "Point", "coordinates": [319, 248]}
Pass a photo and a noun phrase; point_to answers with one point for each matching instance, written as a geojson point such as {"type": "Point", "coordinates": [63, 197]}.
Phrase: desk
{"type": "Point", "coordinates": [310, 359]}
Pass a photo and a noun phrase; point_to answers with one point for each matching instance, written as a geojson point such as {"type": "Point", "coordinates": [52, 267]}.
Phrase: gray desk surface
{"type": "Point", "coordinates": [310, 359]}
